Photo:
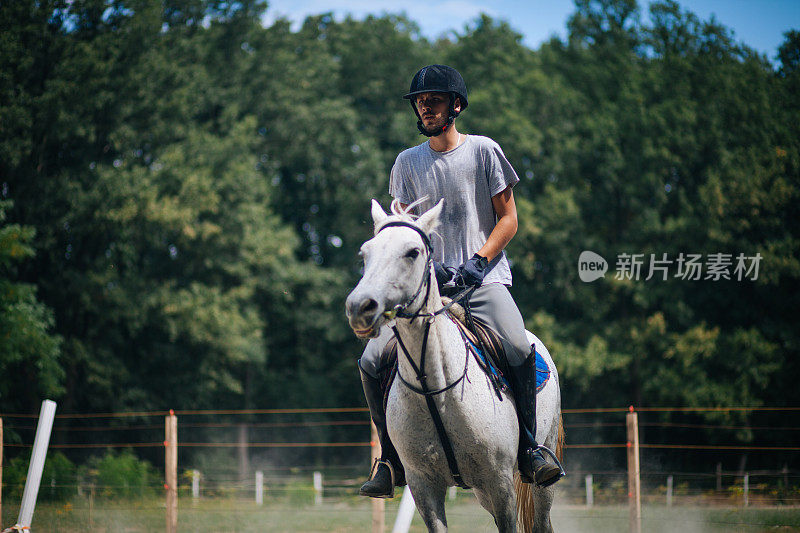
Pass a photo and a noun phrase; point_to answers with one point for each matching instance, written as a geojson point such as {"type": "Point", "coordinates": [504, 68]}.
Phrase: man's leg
{"type": "Point", "coordinates": [493, 304]}
{"type": "Point", "coordinates": [532, 464]}
{"type": "Point", "coordinates": [387, 472]}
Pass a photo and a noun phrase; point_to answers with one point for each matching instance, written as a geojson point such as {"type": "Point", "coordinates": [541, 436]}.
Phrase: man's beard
{"type": "Point", "coordinates": [437, 127]}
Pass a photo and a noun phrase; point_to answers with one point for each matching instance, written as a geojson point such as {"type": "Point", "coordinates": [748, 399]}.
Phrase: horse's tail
{"type": "Point", "coordinates": [525, 503]}
{"type": "Point", "coordinates": [525, 507]}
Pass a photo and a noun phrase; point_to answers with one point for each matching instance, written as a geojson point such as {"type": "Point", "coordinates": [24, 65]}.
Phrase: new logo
{"type": "Point", "coordinates": [591, 266]}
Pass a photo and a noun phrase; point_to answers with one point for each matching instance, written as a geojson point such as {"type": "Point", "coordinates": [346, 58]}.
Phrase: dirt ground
{"type": "Point", "coordinates": [464, 515]}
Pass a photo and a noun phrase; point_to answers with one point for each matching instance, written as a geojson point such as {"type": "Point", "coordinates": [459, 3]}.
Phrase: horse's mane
{"type": "Point", "coordinates": [400, 214]}
{"type": "Point", "coordinates": [405, 215]}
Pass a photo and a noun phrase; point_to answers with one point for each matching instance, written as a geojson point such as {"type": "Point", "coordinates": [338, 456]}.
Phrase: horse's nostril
{"type": "Point", "coordinates": [369, 305]}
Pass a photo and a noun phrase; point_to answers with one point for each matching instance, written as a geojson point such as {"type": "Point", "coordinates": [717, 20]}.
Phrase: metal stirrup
{"type": "Point", "coordinates": [549, 452]}
{"type": "Point", "coordinates": [374, 469]}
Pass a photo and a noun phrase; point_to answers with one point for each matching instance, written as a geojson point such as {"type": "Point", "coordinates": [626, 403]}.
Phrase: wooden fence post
{"type": "Point", "coordinates": [243, 454]}
{"type": "Point", "coordinates": [634, 483]}
{"type": "Point", "coordinates": [171, 474]}
{"type": "Point", "coordinates": [378, 508]}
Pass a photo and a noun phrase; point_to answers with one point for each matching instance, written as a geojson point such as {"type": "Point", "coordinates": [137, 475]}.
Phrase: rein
{"type": "Point", "coordinates": [399, 311]}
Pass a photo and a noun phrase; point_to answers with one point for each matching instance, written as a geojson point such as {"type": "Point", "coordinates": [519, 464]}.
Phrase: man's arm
{"type": "Point", "coordinates": [506, 226]}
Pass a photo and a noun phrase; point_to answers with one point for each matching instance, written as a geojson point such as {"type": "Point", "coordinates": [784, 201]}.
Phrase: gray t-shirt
{"type": "Point", "coordinates": [467, 177]}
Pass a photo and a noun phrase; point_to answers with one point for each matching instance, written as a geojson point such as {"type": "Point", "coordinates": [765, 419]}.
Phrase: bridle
{"type": "Point", "coordinates": [399, 311]}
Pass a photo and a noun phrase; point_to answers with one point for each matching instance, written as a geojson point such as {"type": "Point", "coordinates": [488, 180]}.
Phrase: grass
{"type": "Point", "coordinates": [351, 514]}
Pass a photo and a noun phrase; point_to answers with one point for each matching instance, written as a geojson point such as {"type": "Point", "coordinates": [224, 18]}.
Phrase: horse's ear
{"type": "Point", "coordinates": [430, 218]}
{"type": "Point", "coordinates": [378, 214]}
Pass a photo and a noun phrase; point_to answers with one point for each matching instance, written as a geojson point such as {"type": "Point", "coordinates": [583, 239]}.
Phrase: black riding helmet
{"type": "Point", "coordinates": [441, 79]}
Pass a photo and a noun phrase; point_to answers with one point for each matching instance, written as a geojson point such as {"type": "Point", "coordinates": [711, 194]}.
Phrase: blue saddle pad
{"type": "Point", "coordinates": [542, 370]}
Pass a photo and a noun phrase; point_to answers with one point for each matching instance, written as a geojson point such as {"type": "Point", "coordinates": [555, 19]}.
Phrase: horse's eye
{"type": "Point", "coordinates": [412, 254]}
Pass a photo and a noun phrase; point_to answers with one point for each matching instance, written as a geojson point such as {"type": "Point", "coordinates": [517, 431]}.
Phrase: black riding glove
{"type": "Point", "coordinates": [443, 274]}
{"type": "Point", "coordinates": [472, 272]}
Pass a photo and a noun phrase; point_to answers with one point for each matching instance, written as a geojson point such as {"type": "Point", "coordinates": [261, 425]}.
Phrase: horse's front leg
{"type": "Point", "coordinates": [429, 499]}
{"type": "Point", "coordinates": [500, 499]}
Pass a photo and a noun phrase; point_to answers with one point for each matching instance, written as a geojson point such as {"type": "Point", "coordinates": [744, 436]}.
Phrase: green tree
{"type": "Point", "coordinates": [198, 185]}
{"type": "Point", "coordinates": [29, 349]}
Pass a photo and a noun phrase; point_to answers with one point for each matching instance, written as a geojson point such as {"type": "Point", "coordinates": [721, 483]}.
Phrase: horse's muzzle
{"type": "Point", "coordinates": [363, 313]}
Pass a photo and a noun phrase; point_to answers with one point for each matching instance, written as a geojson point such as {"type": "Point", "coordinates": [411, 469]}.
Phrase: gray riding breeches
{"type": "Point", "coordinates": [493, 304]}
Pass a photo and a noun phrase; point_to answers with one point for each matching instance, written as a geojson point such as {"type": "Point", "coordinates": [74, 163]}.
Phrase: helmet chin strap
{"type": "Point", "coordinates": [437, 132]}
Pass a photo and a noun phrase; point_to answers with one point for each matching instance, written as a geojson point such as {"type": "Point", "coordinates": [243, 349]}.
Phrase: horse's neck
{"type": "Point", "coordinates": [443, 362]}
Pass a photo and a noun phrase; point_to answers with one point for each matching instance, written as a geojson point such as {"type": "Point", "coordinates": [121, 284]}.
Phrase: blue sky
{"type": "Point", "coordinates": [759, 23]}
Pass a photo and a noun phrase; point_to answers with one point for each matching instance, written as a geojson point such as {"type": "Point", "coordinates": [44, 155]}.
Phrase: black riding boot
{"type": "Point", "coordinates": [532, 464]}
{"type": "Point", "coordinates": [387, 472]}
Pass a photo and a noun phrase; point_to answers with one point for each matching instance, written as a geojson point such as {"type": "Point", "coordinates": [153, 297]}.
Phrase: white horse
{"type": "Point", "coordinates": [398, 282]}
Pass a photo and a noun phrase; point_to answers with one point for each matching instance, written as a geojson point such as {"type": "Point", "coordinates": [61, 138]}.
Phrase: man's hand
{"type": "Point", "coordinates": [443, 274]}
{"type": "Point", "coordinates": [472, 272]}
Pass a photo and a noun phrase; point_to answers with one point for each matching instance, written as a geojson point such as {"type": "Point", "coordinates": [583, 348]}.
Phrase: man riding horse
{"type": "Point", "coordinates": [479, 219]}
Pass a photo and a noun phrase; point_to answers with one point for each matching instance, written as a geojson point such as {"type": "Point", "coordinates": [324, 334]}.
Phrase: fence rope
{"type": "Point", "coordinates": [201, 412]}
{"type": "Point", "coordinates": [588, 446]}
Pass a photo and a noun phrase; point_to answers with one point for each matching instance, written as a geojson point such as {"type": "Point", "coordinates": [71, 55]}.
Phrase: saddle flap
{"type": "Point", "coordinates": [482, 336]}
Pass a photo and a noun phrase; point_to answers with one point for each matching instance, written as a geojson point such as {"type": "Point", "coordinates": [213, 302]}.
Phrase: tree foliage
{"type": "Point", "coordinates": [29, 350]}
{"type": "Point", "coordinates": [190, 187]}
